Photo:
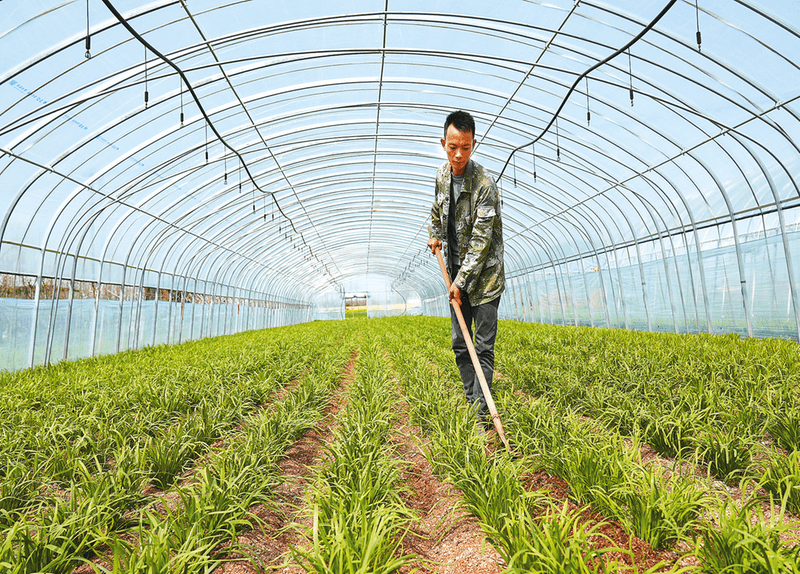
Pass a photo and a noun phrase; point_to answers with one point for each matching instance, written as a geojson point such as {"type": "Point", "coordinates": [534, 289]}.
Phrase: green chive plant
{"type": "Point", "coordinates": [530, 532]}
{"type": "Point", "coordinates": [18, 489]}
{"type": "Point", "coordinates": [728, 452]}
{"type": "Point", "coordinates": [781, 478]}
{"type": "Point", "coordinates": [98, 431]}
{"type": "Point", "coordinates": [604, 470]}
{"type": "Point", "coordinates": [359, 519]}
{"type": "Point", "coordinates": [784, 426]}
{"type": "Point", "coordinates": [745, 541]}
{"type": "Point", "coordinates": [658, 511]}
{"type": "Point", "coordinates": [214, 504]}
{"type": "Point", "coordinates": [703, 399]}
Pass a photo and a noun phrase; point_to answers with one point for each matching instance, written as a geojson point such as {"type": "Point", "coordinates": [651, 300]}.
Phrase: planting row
{"type": "Point", "coordinates": [731, 404]}
{"type": "Point", "coordinates": [531, 531]}
{"type": "Point", "coordinates": [359, 519]}
{"type": "Point", "coordinates": [103, 493]}
{"type": "Point", "coordinates": [602, 468]}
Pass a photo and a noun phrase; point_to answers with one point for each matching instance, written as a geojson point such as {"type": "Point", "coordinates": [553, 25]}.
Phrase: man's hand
{"type": "Point", "coordinates": [454, 294]}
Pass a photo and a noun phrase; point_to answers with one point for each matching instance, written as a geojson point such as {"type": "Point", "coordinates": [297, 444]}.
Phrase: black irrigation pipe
{"type": "Point", "coordinates": [635, 39]}
{"type": "Point", "coordinates": [169, 62]}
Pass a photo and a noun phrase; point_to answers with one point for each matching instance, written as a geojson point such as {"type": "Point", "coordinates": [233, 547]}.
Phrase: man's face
{"type": "Point", "coordinates": [458, 146]}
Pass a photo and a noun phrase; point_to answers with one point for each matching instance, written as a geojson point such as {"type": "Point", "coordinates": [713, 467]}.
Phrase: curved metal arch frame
{"type": "Point", "coordinates": [731, 215]}
{"type": "Point", "coordinates": [596, 168]}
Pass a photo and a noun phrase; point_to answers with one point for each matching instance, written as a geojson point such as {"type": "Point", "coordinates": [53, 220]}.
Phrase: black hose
{"type": "Point", "coordinates": [583, 75]}
{"type": "Point", "coordinates": [169, 62]}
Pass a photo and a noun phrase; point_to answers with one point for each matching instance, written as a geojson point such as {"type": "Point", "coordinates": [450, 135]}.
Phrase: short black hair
{"type": "Point", "coordinates": [463, 122]}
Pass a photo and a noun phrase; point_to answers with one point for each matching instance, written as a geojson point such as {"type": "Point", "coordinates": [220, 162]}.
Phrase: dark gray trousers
{"type": "Point", "coordinates": [485, 331]}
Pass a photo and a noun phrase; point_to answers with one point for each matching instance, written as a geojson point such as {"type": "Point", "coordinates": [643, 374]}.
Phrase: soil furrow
{"type": "Point", "coordinates": [268, 548]}
{"type": "Point", "coordinates": [446, 539]}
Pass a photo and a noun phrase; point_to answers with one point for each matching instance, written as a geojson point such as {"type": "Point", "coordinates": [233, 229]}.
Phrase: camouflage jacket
{"type": "Point", "coordinates": [479, 231]}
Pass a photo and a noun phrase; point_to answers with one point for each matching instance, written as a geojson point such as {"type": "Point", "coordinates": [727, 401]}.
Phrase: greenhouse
{"type": "Point", "coordinates": [176, 170]}
{"type": "Point", "coordinates": [214, 241]}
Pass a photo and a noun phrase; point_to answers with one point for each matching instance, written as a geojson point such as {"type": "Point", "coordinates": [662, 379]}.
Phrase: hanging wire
{"type": "Point", "coordinates": [191, 91]}
{"type": "Point", "coordinates": [558, 145]}
{"type": "Point", "coordinates": [515, 172]}
{"type": "Point", "coordinates": [630, 76]}
{"type": "Point", "coordinates": [206, 143]}
{"type": "Point", "coordinates": [88, 53]}
{"type": "Point", "coordinates": [533, 155]}
{"type": "Point", "coordinates": [181, 92]}
{"type": "Point", "coordinates": [146, 93]}
{"type": "Point", "coordinates": [588, 113]}
{"type": "Point", "coordinates": [240, 177]}
{"type": "Point", "coordinates": [697, 16]}
{"type": "Point", "coordinates": [225, 162]}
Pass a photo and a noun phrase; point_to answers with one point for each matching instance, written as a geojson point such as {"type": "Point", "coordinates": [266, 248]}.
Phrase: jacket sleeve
{"type": "Point", "coordinates": [481, 239]}
{"type": "Point", "coordinates": [435, 230]}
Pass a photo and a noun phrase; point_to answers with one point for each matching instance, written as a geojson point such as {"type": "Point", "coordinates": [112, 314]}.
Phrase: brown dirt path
{"type": "Point", "coordinates": [446, 539]}
{"type": "Point", "coordinates": [268, 547]}
{"type": "Point", "coordinates": [610, 533]}
{"type": "Point", "coordinates": [160, 501]}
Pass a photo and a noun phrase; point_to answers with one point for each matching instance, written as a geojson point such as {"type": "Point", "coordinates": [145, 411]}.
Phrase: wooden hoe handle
{"type": "Point", "coordinates": [487, 394]}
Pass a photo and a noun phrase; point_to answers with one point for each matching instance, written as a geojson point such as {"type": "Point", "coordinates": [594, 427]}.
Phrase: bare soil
{"type": "Point", "coordinates": [645, 557]}
{"type": "Point", "coordinates": [268, 548]}
{"type": "Point", "coordinates": [445, 539]}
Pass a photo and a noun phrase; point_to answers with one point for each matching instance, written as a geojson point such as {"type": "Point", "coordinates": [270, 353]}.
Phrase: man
{"type": "Point", "coordinates": [466, 226]}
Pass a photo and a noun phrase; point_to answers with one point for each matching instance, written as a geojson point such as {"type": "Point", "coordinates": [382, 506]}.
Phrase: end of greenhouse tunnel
{"type": "Point", "coordinates": [215, 168]}
{"type": "Point", "coordinates": [368, 296]}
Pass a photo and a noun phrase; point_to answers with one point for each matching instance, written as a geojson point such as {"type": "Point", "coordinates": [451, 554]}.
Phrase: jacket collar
{"type": "Point", "coordinates": [469, 176]}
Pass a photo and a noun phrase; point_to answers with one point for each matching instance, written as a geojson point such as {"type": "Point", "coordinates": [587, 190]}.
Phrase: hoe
{"type": "Point", "coordinates": [487, 394]}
